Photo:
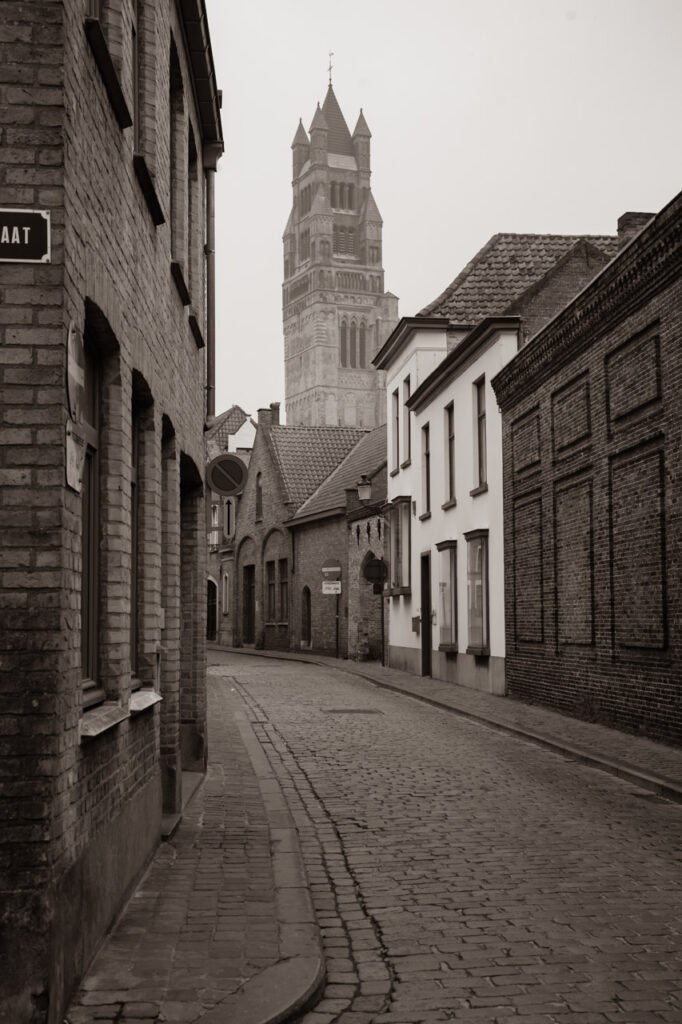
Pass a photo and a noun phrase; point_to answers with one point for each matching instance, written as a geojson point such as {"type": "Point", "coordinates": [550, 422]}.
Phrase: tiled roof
{"type": "Point", "coordinates": [229, 422]}
{"type": "Point", "coordinates": [338, 139]}
{"type": "Point", "coordinates": [368, 456]}
{"type": "Point", "coordinates": [504, 268]}
{"type": "Point", "coordinates": [307, 455]}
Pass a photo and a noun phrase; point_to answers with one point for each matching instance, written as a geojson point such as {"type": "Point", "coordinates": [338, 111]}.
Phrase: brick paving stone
{"type": "Point", "coordinates": [478, 876]}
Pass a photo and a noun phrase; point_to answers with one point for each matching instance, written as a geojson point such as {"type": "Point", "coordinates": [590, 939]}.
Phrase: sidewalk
{"type": "Point", "coordinates": [645, 763]}
{"type": "Point", "coordinates": [222, 927]}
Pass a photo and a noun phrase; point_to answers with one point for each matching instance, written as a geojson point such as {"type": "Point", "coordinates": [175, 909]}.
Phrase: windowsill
{"type": "Point", "coordinates": [399, 591]}
{"type": "Point", "coordinates": [481, 489]}
{"type": "Point", "coordinates": [143, 699]}
{"type": "Point", "coordinates": [406, 463]}
{"type": "Point", "coordinates": [479, 652]}
{"type": "Point", "coordinates": [148, 190]}
{"type": "Point", "coordinates": [196, 329]}
{"type": "Point", "coordinates": [425, 515]}
{"type": "Point", "coordinates": [449, 504]}
{"type": "Point", "coordinates": [448, 648]}
{"type": "Point", "coordinates": [258, 519]}
{"type": "Point", "coordinates": [178, 275]}
{"type": "Point", "coordinates": [99, 719]}
{"type": "Point", "coordinates": [107, 70]}
{"type": "Point", "coordinates": [394, 472]}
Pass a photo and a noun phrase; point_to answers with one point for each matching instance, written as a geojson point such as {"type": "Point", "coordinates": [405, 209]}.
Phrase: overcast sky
{"type": "Point", "coordinates": [486, 116]}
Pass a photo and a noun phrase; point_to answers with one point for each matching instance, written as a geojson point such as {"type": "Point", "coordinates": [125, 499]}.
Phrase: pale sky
{"type": "Point", "coordinates": [486, 115]}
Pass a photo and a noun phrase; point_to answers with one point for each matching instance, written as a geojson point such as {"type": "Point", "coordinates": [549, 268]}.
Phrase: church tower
{"type": "Point", "coordinates": [336, 313]}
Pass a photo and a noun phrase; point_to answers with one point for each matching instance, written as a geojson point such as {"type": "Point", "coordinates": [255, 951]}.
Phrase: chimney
{"type": "Point", "coordinates": [274, 409]}
{"type": "Point", "coordinates": [629, 225]}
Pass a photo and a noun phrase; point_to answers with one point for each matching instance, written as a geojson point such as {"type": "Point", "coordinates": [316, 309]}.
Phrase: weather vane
{"type": "Point", "coordinates": [330, 67]}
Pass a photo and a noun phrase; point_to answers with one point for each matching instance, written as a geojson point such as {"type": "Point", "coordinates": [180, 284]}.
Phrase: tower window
{"type": "Point", "coordinates": [363, 346]}
{"type": "Point", "coordinates": [353, 344]}
{"type": "Point", "coordinates": [351, 197]}
{"type": "Point", "coordinates": [344, 343]}
{"type": "Point", "coordinates": [335, 196]}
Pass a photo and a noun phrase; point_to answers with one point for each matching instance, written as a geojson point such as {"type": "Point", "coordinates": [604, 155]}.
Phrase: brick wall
{"type": "Point", "coordinates": [79, 819]}
{"type": "Point", "coordinates": [322, 542]}
{"type": "Point", "coordinates": [366, 538]}
{"type": "Point", "coordinates": [592, 459]}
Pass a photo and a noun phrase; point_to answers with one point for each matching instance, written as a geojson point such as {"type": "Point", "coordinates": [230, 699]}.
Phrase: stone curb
{"type": "Point", "coordinates": [637, 776]}
{"type": "Point", "coordinates": [295, 983]}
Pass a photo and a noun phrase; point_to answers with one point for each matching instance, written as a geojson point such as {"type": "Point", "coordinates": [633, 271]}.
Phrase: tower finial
{"type": "Point", "coordinates": [330, 67]}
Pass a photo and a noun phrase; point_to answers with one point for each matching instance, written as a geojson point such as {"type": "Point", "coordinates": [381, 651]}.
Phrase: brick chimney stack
{"type": "Point", "coordinates": [629, 225]}
{"type": "Point", "coordinates": [269, 417]}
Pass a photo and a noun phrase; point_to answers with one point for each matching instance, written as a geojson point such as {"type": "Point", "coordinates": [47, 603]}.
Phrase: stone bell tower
{"type": "Point", "coordinates": [336, 313]}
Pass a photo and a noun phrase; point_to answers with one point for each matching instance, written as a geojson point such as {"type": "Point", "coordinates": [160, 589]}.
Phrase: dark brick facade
{"type": "Point", "coordinates": [592, 437]}
{"type": "Point", "coordinates": [86, 770]}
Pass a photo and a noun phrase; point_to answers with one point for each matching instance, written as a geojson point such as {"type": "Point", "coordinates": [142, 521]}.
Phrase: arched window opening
{"type": "Point", "coordinates": [334, 196]}
{"type": "Point", "coordinates": [351, 197]}
{"type": "Point", "coordinates": [362, 356]}
{"type": "Point", "coordinates": [259, 496]}
{"type": "Point", "coordinates": [353, 344]}
{"type": "Point", "coordinates": [212, 611]}
{"type": "Point", "coordinates": [306, 616]}
{"type": "Point", "coordinates": [344, 343]}
{"type": "Point", "coordinates": [342, 196]}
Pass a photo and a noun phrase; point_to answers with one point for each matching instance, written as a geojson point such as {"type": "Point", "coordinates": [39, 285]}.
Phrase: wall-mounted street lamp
{"type": "Point", "coordinates": [364, 486]}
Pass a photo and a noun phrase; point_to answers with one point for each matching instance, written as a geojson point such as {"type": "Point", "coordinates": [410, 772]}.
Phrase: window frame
{"type": "Point", "coordinates": [450, 455]}
{"type": "Point", "coordinates": [407, 424]}
{"type": "Point", "coordinates": [225, 595]}
{"type": "Point", "coordinates": [447, 594]}
{"type": "Point", "coordinates": [91, 528]}
{"type": "Point", "coordinates": [426, 470]}
{"type": "Point", "coordinates": [400, 545]}
{"type": "Point", "coordinates": [283, 589]}
{"type": "Point", "coordinates": [480, 435]}
{"type": "Point", "coordinates": [270, 591]}
{"type": "Point", "coordinates": [395, 431]}
{"type": "Point", "coordinates": [481, 649]}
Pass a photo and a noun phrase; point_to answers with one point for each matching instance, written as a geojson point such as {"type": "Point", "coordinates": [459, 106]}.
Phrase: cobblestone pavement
{"type": "Point", "coordinates": [459, 873]}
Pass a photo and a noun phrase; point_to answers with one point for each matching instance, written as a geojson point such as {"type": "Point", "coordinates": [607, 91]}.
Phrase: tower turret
{"type": "Point", "coordinates": [361, 143]}
{"type": "Point", "coordinates": [318, 138]}
{"type": "Point", "coordinates": [300, 148]}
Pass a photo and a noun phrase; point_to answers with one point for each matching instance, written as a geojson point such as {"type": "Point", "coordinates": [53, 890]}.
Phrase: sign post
{"type": "Point", "coordinates": [331, 584]}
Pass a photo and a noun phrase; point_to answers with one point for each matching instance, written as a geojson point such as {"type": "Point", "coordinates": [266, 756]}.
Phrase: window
{"type": "Point", "coordinates": [407, 444]}
{"type": "Point", "coordinates": [283, 590]}
{"type": "Point", "coordinates": [90, 492]}
{"type": "Point", "coordinates": [479, 394]}
{"type": "Point", "coordinates": [400, 541]}
{"type": "Point", "coordinates": [447, 594]}
{"type": "Point", "coordinates": [177, 179]}
{"type": "Point", "coordinates": [344, 343]}
{"type": "Point", "coordinates": [194, 228]}
{"type": "Point", "coordinates": [396, 429]}
{"type": "Point", "coordinates": [362, 357]}
{"type": "Point", "coordinates": [226, 593]}
{"type": "Point", "coordinates": [335, 196]}
{"type": "Point", "coordinates": [137, 117]}
{"type": "Point", "coordinates": [271, 612]}
{"type": "Point", "coordinates": [353, 344]}
{"type": "Point", "coordinates": [259, 496]}
{"type": "Point", "coordinates": [426, 471]}
{"type": "Point", "coordinates": [134, 537]}
{"type": "Point", "coordinates": [477, 591]}
{"type": "Point", "coordinates": [449, 431]}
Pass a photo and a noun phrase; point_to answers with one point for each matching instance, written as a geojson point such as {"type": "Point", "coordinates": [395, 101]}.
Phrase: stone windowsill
{"type": "Point", "coordinates": [107, 70]}
{"type": "Point", "coordinates": [146, 183]}
{"type": "Point", "coordinates": [425, 515]}
{"type": "Point", "coordinates": [101, 718]}
{"type": "Point", "coordinates": [394, 472]}
{"type": "Point", "coordinates": [178, 275]}
{"type": "Point", "coordinates": [481, 489]}
{"type": "Point", "coordinates": [448, 648]}
{"type": "Point", "coordinates": [449, 504]}
{"type": "Point", "coordinates": [143, 699]}
{"type": "Point", "coordinates": [195, 328]}
{"type": "Point", "coordinates": [406, 463]}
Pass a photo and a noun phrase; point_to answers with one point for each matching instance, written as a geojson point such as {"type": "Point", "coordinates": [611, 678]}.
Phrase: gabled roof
{"type": "Point", "coordinates": [306, 455]}
{"type": "Point", "coordinates": [504, 268]}
{"type": "Point", "coordinates": [338, 139]}
{"type": "Point", "coordinates": [367, 456]}
{"type": "Point", "coordinates": [227, 423]}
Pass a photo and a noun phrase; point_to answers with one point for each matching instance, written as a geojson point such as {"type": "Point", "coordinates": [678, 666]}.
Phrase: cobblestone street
{"type": "Point", "coordinates": [459, 873]}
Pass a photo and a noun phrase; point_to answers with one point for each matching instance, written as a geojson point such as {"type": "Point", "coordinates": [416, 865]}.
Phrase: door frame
{"type": "Point", "coordinates": [426, 608]}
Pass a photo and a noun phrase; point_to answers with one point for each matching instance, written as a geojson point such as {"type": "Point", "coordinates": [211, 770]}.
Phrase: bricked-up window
{"type": "Point", "coordinates": [426, 469]}
{"type": "Point", "coordinates": [481, 461]}
{"type": "Point", "coordinates": [226, 593]}
{"type": "Point", "coordinates": [134, 538]}
{"type": "Point", "coordinates": [283, 590]}
{"type": "Point", "coordinates": [449, 431]}
{"type": "Point", "coordinates": [395, 433]}
{"type": "Point", "coordinates": [407, 441]}
{"type": "Point", "coordinates": [400, 544]}
{"type": "Point", "coordinates": [477, 592]}
{"type": "Point", "coordinates": [90, 536]}
{"type": "Point", "coordinates": [270, 592]}
{"type": "Point", "coordinates": [344, 343]}
{"type": "Point", "coordinates": [447, 593]}
{"type": "Point", "coordinates": [259, 496]}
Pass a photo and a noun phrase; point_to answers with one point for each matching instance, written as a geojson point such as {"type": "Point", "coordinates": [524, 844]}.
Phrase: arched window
{"type": "Point", "coordinates": [351, 197]}
{"type": "Point", "coordinates": [362, 358]}
{"type": "Point", "coordinates": [259, 496]}
{"type": "Point", "coordinates": [353, 344]}
{"type": "Point", "coordinates": [306, 616]}
{"type": "Point", "coordinates": [342, 196]}
{"type": "Point", "coordinates": [344, 343]}
{"type": "Point", "coordinates": [334, 195]}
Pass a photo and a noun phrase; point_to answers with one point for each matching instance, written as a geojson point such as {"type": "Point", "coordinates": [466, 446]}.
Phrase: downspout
{"type": "Point", "coordinates": [212, 153]}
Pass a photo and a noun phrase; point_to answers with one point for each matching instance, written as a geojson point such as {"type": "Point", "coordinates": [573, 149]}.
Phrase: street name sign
{"type": "Point", "coordinates": [24, 236]}
{"type": "Point", "coordinates": [331, 586]}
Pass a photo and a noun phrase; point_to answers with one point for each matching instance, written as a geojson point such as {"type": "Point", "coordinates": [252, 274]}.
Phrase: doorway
{"type": "Point", "coordinates": [426, 613]}
{"type": "Point", "coordinates": [212, 611]}
{"type": "Point", "coordinates": [249, 605]}
{"type": "Point", "coordinates": [306, 626]}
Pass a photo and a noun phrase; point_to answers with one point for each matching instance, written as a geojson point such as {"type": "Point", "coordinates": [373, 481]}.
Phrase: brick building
{"type": "Point", "coordinates": [335, 536]}
{"type": "Point", "coordinates": [111, 128]}
{"type": "Point", "coordinates": [336, 313]}
{"type": "Point", "coordinates": [592, 435]}
{"type": "Point", "coordinates": [287, 464]}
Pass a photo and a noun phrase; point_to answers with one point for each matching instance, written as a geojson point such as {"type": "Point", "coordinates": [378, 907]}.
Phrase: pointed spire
{"type": "Point", "coordinates": [301, 136]}
{"type": "Point", "coordinates": [319, 121]}
{"type": "Point", "coordinates": [362, 128]}
{"type": "Point", "coordinates": [339, 136]}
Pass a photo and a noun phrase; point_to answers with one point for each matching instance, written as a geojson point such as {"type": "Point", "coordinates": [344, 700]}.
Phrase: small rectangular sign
{"type": "Point", "coordinates": [331, 586]}
{"type": "Point", "coordinates": [24, 236]}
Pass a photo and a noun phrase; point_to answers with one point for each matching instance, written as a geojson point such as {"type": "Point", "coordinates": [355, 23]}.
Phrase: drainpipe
{"type": "Point", "coordinates": [212, 153]}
